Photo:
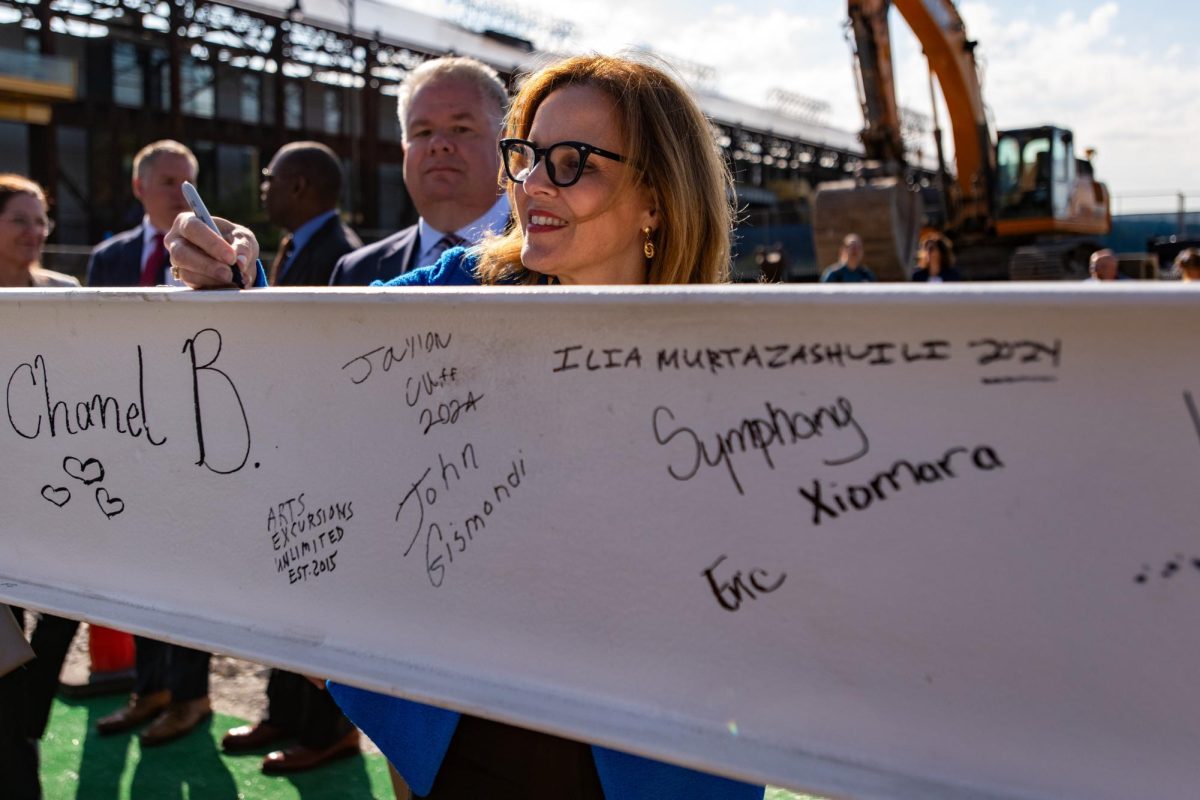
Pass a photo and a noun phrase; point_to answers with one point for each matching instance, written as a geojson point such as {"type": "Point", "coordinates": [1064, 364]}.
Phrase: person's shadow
{"type": "Point", "coordinates": [189, 767]}
{"type": "Point", "coordinates": [192, 768]}
{"type": "Point", "coordinates": [103, 758]}
{"type": "Point", "coordinates": [346, 778]}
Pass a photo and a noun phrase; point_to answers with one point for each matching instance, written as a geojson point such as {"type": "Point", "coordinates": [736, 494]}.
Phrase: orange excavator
{"type": "Point", "coordinates": [1019, 204]}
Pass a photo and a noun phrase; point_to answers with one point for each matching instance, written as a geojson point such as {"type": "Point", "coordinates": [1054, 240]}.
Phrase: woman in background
{"type": "Point", "coordinates": [27, 693]}
{"type": "Point", "coordinates": [935, 261]}
{"type": "Point", "coordinates": [24, 226]}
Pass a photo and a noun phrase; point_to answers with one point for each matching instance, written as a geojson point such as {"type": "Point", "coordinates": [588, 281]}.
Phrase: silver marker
{"type": "Point", "coordinates": [198, 208]}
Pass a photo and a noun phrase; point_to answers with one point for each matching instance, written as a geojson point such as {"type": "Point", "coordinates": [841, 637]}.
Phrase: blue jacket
{"type": "Point", "coordinates": [456, 267]}
{"type": "Point", "coordinates": [415, 737]}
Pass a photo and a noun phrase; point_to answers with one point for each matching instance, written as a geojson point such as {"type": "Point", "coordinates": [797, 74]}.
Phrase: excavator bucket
{"type": "Point", "coordinates": [885, 212]}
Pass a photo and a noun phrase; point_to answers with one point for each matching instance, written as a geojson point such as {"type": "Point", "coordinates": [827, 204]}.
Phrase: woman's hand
{"type": "Point", "coordinates": [203, 260]}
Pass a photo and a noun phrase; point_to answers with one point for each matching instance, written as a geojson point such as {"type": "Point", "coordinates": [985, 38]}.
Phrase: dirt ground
{"type": "Point", "coordinates": [237, 688]}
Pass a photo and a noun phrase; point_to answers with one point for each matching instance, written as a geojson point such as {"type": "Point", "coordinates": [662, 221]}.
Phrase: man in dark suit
{"type": "Point", "coordinates": [300, 191]}
{"type": "Point", "coordinates": [171, 685]}
{"type": "Point", "coordinates": [450, 113]}
{"type": "Point", "coordinates": [136, 257]}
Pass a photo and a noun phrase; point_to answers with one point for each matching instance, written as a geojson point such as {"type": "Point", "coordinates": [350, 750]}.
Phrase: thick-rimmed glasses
{"type": "Point", "coordinates": [564, 160]}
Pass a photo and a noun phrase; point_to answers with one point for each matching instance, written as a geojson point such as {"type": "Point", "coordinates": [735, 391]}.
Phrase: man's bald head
{"type": "Point", "coordinates": [318, 164]}
{"type": "Point", "coordinates": [304, 179]}
{"type": "Point", "coordinates": [1103, 265]}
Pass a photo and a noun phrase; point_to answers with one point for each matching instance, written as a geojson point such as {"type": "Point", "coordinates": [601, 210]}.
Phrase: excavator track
{"type": "Point", "coordinates": [1061, 260]}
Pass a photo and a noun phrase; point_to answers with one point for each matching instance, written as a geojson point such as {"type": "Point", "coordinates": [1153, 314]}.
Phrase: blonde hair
{"type": "Point", "coordinates": [670, 150]}
{"type": "Point", "coordinates": [145, 158]}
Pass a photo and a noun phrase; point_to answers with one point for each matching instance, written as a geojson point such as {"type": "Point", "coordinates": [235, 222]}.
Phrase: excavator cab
{"type": "Point", "coordinates": [1034, 168]}
{"type": "Point", "coordinates": [1041, 188]}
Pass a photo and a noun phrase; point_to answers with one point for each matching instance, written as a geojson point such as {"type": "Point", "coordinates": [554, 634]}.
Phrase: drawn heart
{"type": "Point", "coordinates": [111, 506]}
{"type": "Point", "coordinates": [59, 495]}
{"type": "Point", "coordinates": [88, 471]}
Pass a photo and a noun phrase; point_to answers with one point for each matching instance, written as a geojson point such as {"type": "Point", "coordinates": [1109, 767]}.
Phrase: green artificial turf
{"type": "Point", "coordinates": [77, 764]}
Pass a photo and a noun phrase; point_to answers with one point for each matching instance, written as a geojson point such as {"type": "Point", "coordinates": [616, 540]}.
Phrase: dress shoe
{"type": "Point", "coordinates": [252, 737]}
{"type": "Point", "coordinates": [139, 709]}
{"type": "Point", "coordinates": [179, 719]}
{"type": "Point", "coordinates": [300, 758]}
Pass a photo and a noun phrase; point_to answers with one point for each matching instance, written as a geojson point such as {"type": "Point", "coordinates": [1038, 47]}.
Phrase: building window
{"type": "Point", "coordinates": [389, 124]}
{"type": "Point", "coordinates": [293, 105]}
{"type": "Point", "coordinates": [158, 79]}
{"type": "Point", "coordinates": [129, 84]}
{"type": "Point", "coordinates": [332, 117]}
{"type": "Point", "coordinates": [14, 146]}
{"type": "Point", "coordinates": [237, 181]}
{"type": "Point", "coordinates": [250, 98]}
{"type": "Point", "coordinates": [163, 81]}
{"type": "Point", "coordinates": [71, 207]}
{"type": "Point", "coordinates": [199, 97]}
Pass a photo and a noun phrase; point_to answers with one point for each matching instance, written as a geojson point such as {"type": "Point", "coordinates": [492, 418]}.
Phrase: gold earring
{"type": "Point", "coordinates": [648, 247]}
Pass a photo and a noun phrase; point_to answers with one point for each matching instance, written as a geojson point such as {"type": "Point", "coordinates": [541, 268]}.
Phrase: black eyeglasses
{"type": "Point", "coordinates": [564, 160]}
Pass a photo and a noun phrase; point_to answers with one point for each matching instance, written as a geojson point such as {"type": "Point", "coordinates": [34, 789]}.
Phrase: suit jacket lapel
{"type": "Point", "coordinates": [300, 260]}
{"type": "Point", "coordinates": [401, 257]}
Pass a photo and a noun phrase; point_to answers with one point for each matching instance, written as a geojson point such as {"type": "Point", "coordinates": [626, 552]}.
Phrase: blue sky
{"type": "Point", "coordinates": [1120, 74]}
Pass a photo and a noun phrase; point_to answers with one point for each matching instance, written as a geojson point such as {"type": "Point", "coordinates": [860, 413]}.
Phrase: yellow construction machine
{"type": "Point", "coordinates": [1019, 204]}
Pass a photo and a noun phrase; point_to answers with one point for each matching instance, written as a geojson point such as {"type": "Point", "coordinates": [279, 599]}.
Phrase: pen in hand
{"type": "Point", "coordinates": [198, 208]}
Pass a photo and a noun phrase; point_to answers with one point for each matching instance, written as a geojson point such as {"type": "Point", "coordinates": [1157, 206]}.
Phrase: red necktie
{"type": "Point", "coordinates": [152, 269]}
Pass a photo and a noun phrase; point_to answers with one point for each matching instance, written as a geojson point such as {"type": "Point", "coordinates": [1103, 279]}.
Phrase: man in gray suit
{"type": "Point", "coordinates": [451, 110]}
{"type": "Point", "coordinates": [300, 191]}
{"type": "Point", "coordinates": [136, 257]}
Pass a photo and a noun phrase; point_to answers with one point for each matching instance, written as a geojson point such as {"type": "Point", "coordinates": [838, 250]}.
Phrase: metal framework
{"type": "Point", "coordinates": [187, 50]}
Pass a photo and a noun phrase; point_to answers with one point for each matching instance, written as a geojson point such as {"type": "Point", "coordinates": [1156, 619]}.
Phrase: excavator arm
{"type": "Point", "coordinates": [951, 56]}
{"type": "Point", "coordinates": [988, 210]}
{"type": "Point", "coordinates": [881, 134]}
